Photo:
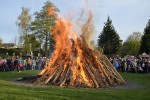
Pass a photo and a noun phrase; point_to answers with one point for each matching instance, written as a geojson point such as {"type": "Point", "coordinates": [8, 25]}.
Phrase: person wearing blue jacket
{"type": "Point", "coordinates": [116, 65]}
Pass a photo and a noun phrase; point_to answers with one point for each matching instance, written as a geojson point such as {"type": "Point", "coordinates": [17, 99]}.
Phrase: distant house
{"type": "Point", "coordinates": [8, 45]}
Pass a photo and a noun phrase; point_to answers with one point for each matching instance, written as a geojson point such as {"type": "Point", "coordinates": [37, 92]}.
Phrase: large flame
{"type": "Point", "coordinates": [73, 62]}
{"type": "Point", "coordinates": [61, 31]}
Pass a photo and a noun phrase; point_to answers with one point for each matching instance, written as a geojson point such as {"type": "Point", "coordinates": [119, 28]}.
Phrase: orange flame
{"type": "Point", "coordinates": [63, 34]}
{"type": "Point", "coordinates": [71, 61]}
{"type": "Point", "coordinates": [51, 11]}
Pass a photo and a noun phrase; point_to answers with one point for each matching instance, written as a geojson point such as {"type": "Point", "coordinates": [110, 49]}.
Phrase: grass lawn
{"type": "Point", "coordinates": [14, 91]}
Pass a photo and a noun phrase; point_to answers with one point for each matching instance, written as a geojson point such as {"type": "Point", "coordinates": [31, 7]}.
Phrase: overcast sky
{"type": "Point", "coordinates": [127, 16]}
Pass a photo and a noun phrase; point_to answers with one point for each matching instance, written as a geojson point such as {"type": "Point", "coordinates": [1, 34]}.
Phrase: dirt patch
{"type": "Point", "coordinates": [128, 85]}
{"type": "Point", "coordinates": [25, 82]}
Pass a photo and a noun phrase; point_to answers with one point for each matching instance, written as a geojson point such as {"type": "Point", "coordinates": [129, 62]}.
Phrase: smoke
{"type": "Point", "coordinates": [85, 22]}
{"type": "Point", "coordinates": [88, 29]}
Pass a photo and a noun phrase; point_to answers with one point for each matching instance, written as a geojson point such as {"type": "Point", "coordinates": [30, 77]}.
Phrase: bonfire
{"type": "Point", "coordinates": [75, 62]}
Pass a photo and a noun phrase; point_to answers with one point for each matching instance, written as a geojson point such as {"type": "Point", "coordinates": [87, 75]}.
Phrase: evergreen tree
{"type": "Point", "coordinates": [145, 42]}
{"type": "Point", "coordinates": [109, 40]}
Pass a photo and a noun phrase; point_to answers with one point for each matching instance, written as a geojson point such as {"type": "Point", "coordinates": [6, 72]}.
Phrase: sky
{"type": "Point", "coordinates": [127, 16]}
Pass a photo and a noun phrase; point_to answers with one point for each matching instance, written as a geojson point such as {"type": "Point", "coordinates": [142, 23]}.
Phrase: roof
{"type": "Point", "coordinates": [144, 55]}
{"type": "Point", "coordinates": [8, 45]}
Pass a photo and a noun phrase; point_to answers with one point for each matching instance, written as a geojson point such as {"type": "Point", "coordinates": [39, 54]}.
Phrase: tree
{"type": "Point", "coordinates": [145, 42]}
{"type": "Point", "coordinates": [44, 21]}
{"type": "Point", "coordinates": [0, 42]}
{"type": "Point", "coordinates": [24, 20]}
{"type": "Point", "coordinates": [132, 44]}
{"type": "Point", "coordinates": [34, 43]}
{"type": "Point", "coordinates": [109, 40]}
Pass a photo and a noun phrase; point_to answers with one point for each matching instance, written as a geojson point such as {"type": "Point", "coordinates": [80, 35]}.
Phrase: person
{"type": "Point", "coordinates": [148, 67]}
{"type": "Point", "coordinates": [128, 62]}
{"type": "Point", "coordinates": [145, 65]}
{"type": "Point", "coordinates": [12, 64]}
{"type": "Point", "coordinates": [39, 64]}
{"type": "Point", "coordinates": [29, 63]}
{"type": "Point", "coordinates": [33, 63]}
{"type": "Point", "coordinates": [5, 66]}
{"type": "Point", "coordinates": [133, 65]}
{"type": "Point", "coordinates": [116, 64]}
{"type": "Point", "coordinates": [20, 61]}
{"type": "Point", "coordinates": [1, 64]}
{"type": "Point", "coordinates": [16, 67]}
{"type": "Point", "coordinates": [24, 64]}
{"type": "Point", "coordinates": [123, 65]}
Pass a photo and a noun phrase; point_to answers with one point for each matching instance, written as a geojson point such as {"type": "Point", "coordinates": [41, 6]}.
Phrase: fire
{"type": "Point", "coordinates": [51, 11]}
{"type": "Point", "coordinates": [74, 63]}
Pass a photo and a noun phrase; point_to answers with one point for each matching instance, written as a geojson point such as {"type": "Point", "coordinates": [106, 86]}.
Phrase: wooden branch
{"type": "Point", "coordinates": [106, 75]}
{"type": "Point", "coordinates": [63, 74]}
{"type": "Point", "coordinates": [92, 76]}
{"type": "Point", "coordinates": [58, 74]}
{"type": "Point", "coordinates": [64, 80]}
{"type": "Point", "coordinates": [50, 77]}
{"type": "Point", "coordinates": [113, 68]}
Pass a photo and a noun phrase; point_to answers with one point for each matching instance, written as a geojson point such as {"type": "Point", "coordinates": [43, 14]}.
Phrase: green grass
{"type": "Point", "coordinates": [13, 91]}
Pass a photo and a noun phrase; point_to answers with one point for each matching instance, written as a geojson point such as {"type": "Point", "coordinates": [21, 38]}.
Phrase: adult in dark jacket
{"type": "Point", "coordinates": [16, 67]}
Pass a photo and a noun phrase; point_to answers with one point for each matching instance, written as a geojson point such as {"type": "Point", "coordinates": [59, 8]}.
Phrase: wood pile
{"type": "Point", "coordinates": [75, 64]}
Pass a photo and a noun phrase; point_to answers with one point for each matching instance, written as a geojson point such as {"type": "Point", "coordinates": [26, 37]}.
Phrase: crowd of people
{"type": "Point", "coordinates": [22, 63]}
{"type": "Point", "coordinates": [140, 65]}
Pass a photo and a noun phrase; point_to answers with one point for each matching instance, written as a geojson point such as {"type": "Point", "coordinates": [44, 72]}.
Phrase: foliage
{"type": "Point", "coordinates": [132, 44]}
{"type": "Point", "coordinates": [109, 40]}
{"type": "Point", "coordinates": [16, 51]}
{"type": "Point", "coordinates": [33, 42]}
{"type": "Point", "coordinates": [145, 42]}
{"type": "Point", "coordinates": [24, 20]}
{"type": "Point", "coordinates": [43, 22]}
{"type": "Point", "coordinates": [0, 42]}
{"type": "Point", "coordinates": [15, 91]}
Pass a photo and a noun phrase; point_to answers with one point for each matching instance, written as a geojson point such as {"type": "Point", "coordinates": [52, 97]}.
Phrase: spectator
{"type": "Point", "coordinates": [8, 62]}
{"type": "Point", "coordinates": [12, 64]}
{"type": "Point", "coordinates": [5, 66]}
{"type": "Point", "coordinates": [148, 67]}
{"type": "Point", "coordinates": [16, 67]}
{"type": "Point", "coordinates": [20, 61]}
{"type": "Point", "coordinates": [29, 63]}
{"type": "Point", "coordinates": [33, 63]}
{"type": "Point", "coordinates": [116, 65]}
{"type": "Point", "coordinates": [1, 64]}
{"type": "Point", "coordinates": [24, 64]}
{"type": "Point", "coordinates": [40, 62]}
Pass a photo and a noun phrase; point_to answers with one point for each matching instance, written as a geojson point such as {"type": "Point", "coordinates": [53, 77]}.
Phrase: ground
{"type": "Point", "coordinates": [137, 88]}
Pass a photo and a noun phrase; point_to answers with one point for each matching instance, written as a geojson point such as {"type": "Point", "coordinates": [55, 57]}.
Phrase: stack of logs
{"type": "Point", "coordinates": [81, 67]}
